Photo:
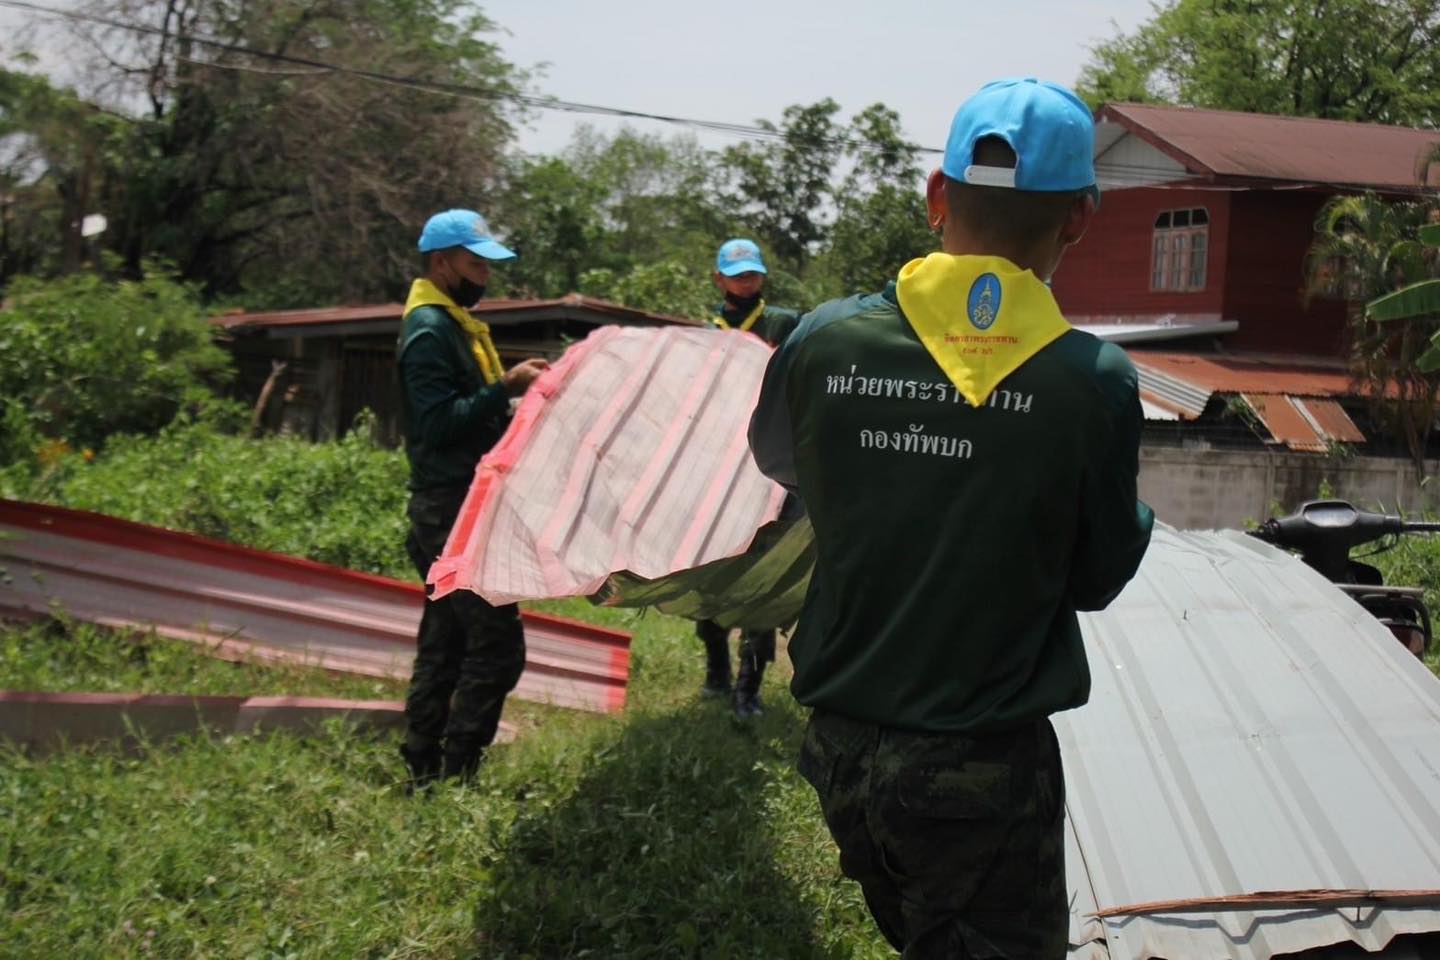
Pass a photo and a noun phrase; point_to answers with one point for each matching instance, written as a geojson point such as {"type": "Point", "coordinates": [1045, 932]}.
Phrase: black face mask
{"type": "Point", "coordinates": [467, 294]}
{"type": "Point", "coordinates": [742, 306]}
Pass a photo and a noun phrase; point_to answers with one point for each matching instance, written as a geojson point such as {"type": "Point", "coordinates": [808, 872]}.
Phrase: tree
{"type": "Point", "coordinates": [780, 189]}
{"type": "Point", "coordinates": [1368, 60]}
{"type": "Point", "coordinates": [1365, 248]}
{"type": "Point", "coordinates": [52, 146]}
{"type": "Point", "coordinates": [294, 184]}
{"type": "Point", "coordinates": [881, 220]}
{"type": "Point", "coordinates": [608, 204]}
{"type": "Point", "coordinates": [674, 287]}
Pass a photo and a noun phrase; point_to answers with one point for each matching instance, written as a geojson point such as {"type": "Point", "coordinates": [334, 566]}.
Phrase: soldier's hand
{"type": "Point", "coordinates": [519, 377]}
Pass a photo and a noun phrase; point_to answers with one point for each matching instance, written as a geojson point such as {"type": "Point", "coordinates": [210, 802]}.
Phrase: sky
{"type": "Point", "coordinates": [742, 62]}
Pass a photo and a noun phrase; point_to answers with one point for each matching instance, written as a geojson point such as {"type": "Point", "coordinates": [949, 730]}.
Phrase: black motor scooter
{"type": "Point", "coordinates": [1324, 531]}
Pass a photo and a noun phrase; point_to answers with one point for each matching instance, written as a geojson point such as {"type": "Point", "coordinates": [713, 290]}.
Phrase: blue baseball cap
{"type": "Point", "coordinates": [739, 256]}
{"type": "Point", "coordinates": [1049, 128]}
{"type": "Point", "coordinates": [462, 228]}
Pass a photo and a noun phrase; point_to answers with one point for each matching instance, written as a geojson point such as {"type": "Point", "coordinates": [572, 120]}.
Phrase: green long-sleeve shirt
{"type": "Point", "coordinates": [452, 417]}
{"type": "Point", "coordinates": [954, 544]}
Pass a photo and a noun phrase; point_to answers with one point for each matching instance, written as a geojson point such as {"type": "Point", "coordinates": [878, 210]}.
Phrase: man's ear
{"type": "Point", "coordinates": [1077, 219]}
{"type": "Point", "coordinates": [935, 206]}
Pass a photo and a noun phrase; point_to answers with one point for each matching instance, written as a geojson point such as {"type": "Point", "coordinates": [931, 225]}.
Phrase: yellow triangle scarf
{"type": "Point", "coordinates": [747, 323]}
{"type": "Point", "coordinates": [423, 293]}
{"type": "Point", "coordinates": [980, 317]}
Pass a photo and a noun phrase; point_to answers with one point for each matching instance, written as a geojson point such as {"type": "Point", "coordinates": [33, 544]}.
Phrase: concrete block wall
{"type": "Point", "coordinates": [1207, 489]}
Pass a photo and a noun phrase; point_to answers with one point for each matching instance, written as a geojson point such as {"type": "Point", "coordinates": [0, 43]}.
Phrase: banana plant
{"type": "Point", "coordinates": [1416, 301]}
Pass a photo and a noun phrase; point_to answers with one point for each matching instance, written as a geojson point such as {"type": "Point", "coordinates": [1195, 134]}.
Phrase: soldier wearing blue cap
{"type": "Point", "coordinates": [456, 396]}
{"type": "Point", "coordinates": [740, 275]}
{"type": "Point", "coordinates": [969, 462]}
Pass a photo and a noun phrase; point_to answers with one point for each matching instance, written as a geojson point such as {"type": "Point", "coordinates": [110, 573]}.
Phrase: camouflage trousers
{"type": "Point", "coordinates": [468, 654]}
{"type": "Point", "coordinates": [956, 841]}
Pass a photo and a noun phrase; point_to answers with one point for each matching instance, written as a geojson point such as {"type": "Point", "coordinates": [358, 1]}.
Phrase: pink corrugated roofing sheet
{"type": "Point", "coordinates": [629, 455]}
{"type": "Point", "coordinates": [1301, 150]}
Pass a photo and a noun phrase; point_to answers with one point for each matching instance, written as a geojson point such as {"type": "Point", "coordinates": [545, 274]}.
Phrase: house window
{"type": "Point", "coordinates": [1178, 250]}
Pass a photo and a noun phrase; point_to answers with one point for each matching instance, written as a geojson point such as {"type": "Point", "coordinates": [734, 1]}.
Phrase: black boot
{"type": "Point", "coordinates": [757, 648]}
{"type": "Point", "coordinates": [462, 759]}
{"type": "Point", "coordinates": [717, 658]}
{"type": "Point", "coordinates": [746, 702]}
{"type": "Point", "coordinates": [424, 765]}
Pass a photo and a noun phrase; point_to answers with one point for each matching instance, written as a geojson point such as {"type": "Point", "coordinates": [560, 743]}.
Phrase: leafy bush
{"type": "Point", "coordinates": [666, 286]}
{"type": "Point", "coordinates": [341, 503]}
{"type": "Point", "coordinates": [82, 358]}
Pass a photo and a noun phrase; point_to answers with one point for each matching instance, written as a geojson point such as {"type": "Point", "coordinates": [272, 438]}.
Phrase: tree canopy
{"type": "Point", "coordinates": [1368, 60]}
{"type": "Point", "coordinates": [254, 148]}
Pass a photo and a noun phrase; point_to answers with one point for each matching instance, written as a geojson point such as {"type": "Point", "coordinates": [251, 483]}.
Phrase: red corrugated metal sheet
{"type": "Point", "coordinates": [1298, 150]}
{"type": "Point", "coordinates": [628, 455]}
{"type": "Point", "coordinates": [493, 311]}
{"type": "Point", "coordinates": [249, 604]}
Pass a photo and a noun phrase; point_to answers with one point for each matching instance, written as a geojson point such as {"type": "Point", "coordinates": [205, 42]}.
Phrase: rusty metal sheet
{"type": "Point", "coordinates": [1286, 422]}
{"type": "Point", "coordinates": [1243, 373]}
{"type": "Point", "coordinates": [628, 456]}
{"type": "Point", "coordinates": [248, 604]}
{"type": "Point", "coordinates": [1331, 420]}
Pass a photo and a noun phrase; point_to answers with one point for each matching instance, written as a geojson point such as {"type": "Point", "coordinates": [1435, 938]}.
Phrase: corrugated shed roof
{"type": "Point", "coordinates": [1241, 373]}
{"type": "Point", "coordinates": [1250, 729]}
{"type": "Point", "coordinates": [629, 455]}
{"type": "Point", "coordinates": [571, 306]}
{"type": "Point", "coordinates": [1298, 150]}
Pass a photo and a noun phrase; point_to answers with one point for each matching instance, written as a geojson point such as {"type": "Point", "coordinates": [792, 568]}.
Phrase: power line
{"type": "Point", "coordinates": [748, 131]}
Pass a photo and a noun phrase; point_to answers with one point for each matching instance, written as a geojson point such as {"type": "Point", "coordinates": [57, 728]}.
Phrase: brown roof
{"type": "Point", "coordinates": [1300, 150]}
{"type": "Point", "coordinates": [1240, 373]}
{"type": "Point", "coordinates": [570, 307]}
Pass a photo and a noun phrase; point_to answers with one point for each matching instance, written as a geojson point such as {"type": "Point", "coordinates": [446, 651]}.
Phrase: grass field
{"type": "Point", "coordinates": [671, 831]}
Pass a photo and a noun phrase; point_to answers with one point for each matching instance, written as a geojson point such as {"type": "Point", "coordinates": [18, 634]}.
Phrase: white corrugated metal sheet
{"type": "Point", "coordinates": [1251, 730]}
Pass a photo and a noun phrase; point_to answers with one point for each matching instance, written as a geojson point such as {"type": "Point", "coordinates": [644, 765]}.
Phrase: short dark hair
{"type": "Point", "coordinates": [1002, 214]}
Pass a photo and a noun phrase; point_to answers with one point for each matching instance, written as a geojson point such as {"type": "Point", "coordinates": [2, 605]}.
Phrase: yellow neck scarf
{"type": "Point", "coordinates": [748, 322]}
{"type": "Point", "coordinates": [423, 293]}
{"type": "Point", "coordinates": [980, 317]}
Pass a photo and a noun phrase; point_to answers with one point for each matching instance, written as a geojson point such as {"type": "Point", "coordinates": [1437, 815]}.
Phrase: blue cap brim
{"type": "Point", "coordinates": [490, 250]}
{"type": "Point", "coordinates": [743, 266]}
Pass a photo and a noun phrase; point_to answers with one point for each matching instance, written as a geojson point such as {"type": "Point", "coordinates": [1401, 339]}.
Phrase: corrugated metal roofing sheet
{"type": "Point", "coordinates": [1304, 424]}
{"type": "Point", "coordinates": [1250, 730]}
{"type": "Point", "coordinates": [249, 604]}
{"type": "Point", "coordinates": [491, 311]}
{"type": "Point", "coordinates": [629, 455]}
{"type": "Point", "coordinates": [1298, 150]}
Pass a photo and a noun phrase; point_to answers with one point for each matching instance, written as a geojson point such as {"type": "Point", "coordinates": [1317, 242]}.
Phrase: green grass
{"type": "Point", "coordinates": [670, 831]}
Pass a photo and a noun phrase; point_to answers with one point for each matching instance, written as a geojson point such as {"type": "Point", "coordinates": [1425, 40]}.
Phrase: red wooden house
{"type": "Point", "coordinates": [1208, 215]}
{"type": "Point", "coordinates": [1206, 221]}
